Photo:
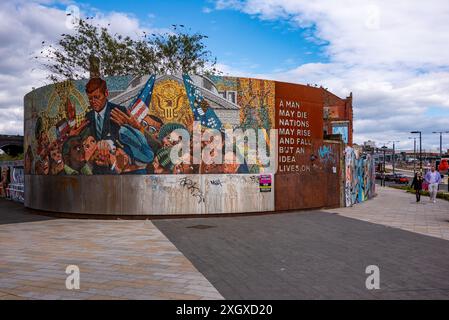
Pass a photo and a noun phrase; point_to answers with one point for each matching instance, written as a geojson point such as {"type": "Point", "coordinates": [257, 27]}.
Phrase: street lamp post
{"type": "Point", "coordinates": [441, 151]}
{"type": "Point", "coordinates": [414, 154]}
{"type": "Point", "coordinates": [441, 140]}
{"type": "Point", "coordinates": [420, 148]}
{"type": "Point", "coordinates": [383, 171]}
{"type": "Point", "coordinates": [394, 155]}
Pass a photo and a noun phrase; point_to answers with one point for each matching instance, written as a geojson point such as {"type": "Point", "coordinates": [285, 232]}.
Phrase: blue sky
{"type": "Point", "coordinates": [392, 55]}
{"type": "Point", "coordinates": [235, 38]}
{"type": "Point", "coordinates": [436, 111]}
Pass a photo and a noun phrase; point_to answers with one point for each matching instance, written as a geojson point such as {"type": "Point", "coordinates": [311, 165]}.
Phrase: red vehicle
{"type": "Point", "coordinates": [444, 165]}
{"type": "Point", "coordinates": [399, 178]}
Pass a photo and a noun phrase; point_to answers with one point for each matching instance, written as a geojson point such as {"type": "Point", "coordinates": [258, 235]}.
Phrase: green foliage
{"type": "Point", "coordinates": [182, 52]}
{"type": "Point", "coordinates": [7, 157]}
{"type": "Point", "coordinates": [174, 52]}
{"type": "Point", "coordinates": [440, 195]}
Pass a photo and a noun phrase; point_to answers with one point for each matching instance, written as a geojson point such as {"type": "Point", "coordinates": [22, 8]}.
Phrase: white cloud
{"type": "Point", "coordinates": [23, 27]}
{"type": "Point", "coordinates": [227, 70]}
{"type": "Point", "coordinates": [206, 10]}
{"type": "Point", "coordinates": [393, 56]}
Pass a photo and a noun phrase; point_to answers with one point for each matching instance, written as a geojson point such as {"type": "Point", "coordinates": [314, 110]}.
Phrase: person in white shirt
{"type": "Point", "coordinates": [433, 178]}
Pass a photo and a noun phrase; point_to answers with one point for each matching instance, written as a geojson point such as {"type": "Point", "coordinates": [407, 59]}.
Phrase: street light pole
{"type": "Point", "coordinates": [420, 152]}
{"type": "Point", "coordinates": [383, 171]}
{"type": "Point", "coordinates": [441, 142]}
{"type": "Point", "coordinates": [414, 153]}
{"type": "Point", "coordinates": [420, 149]}
{"type": "Point", "coordinates": [441, 151]}
{"type": "Point", "coordinates": [394, 154]}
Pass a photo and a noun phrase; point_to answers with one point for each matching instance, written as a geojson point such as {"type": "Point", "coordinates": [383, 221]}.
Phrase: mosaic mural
{"type": "Point", "coordinates": [359, 177]}
{"type": "Point", "coordinates": [123, 125]}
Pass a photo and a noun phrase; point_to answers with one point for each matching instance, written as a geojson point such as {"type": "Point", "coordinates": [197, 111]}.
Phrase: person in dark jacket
{"type": "Point", "coordinates": [417, 185]}
{"type": "Point", "coordinates": [99, 116]}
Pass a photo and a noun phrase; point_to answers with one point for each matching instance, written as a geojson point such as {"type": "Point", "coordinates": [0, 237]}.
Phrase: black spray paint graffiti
{"type": "Point", "coordinates": [254, 179]}
{"type": "Point", "coordinates": [216, 182]}
{"type": "Point", "coordinates": [191, 186]}
{"type": "Point", "coordinates": [243, 179]}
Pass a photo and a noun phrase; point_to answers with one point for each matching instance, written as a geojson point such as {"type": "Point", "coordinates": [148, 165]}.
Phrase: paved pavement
{"type": "Point", "coordinates": [297, 255]}
{"type": "Point", "coordinates": [117, 260]}
{"type": "Point", "coordinates": [399, 209]}
{"type": "Point", "coordinates": [311, 255]}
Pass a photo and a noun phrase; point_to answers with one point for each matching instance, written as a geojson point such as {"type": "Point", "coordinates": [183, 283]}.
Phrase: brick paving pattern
{"type": "Point", "coordinates": [297, 255]}
{"type": "Point", "coordinates": [396, 208]}
{"type": "Point", "coordinates": [311, 255]}
{"type": "Point", "coordinates": [117, 260]}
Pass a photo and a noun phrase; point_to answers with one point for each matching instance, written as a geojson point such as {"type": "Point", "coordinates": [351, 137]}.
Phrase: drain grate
{"type": "Point", "coordinates": [201, 226]}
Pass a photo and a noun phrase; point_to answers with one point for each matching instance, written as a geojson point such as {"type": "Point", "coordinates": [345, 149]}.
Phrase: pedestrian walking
{"type": "Point", "coordinates": [433, 178]}
{"type": "Point", "coordinates": [417, 185]}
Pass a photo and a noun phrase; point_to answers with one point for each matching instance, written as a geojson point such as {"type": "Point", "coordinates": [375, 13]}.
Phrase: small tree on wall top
{"type": "Point", "coordinates": [172, 52]}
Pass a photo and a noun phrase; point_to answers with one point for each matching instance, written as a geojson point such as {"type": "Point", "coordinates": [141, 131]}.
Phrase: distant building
{"type": "Point", "coordinates": [369, 144]}
{"type": "Point", "coordinates": [337, 115]}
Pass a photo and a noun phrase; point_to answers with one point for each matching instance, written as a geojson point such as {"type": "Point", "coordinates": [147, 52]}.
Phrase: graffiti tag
{"type": "Point", "coordinates": [360, 177]}
{"type": "Point", "coordinates": [254, 179]}
{"type": "Point", "coordinates": [192, 187]}
{"type": "Point", "coordinates": [245, 179]}
{"type": "Point", "coordinates": [325, 154]}
{"type": "Point", "coordinates": [216, 182]}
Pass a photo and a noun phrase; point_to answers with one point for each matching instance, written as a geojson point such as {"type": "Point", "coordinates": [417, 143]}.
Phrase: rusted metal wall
{"type": "Point", "coordinates": [148, 194]}
{"type": "Point", "coordinates": [319, 185]}
{"type": "Point", "coordinates": [308, 173]}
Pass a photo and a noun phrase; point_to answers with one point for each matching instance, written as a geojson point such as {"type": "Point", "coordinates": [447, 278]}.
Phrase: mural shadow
{"type": "Point", "coordinates": [13, 212]}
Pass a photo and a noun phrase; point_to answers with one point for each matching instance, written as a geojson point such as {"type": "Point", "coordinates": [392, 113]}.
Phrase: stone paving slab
{"type": "Point", "coordinates": [311, 255]}
{"type": "Point", "coordinates": [117, 259]}
{"type": "Point", "coordinates": [399, 209]}
{"type": "Point", "coordinates": [298, 255]}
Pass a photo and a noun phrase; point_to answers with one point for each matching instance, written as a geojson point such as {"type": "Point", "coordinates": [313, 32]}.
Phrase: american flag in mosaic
{"type": "Point", "coordinates": [207, 118]}
{"type": "Point", "coordinates": [62, 128]}
{"type": "Point", "coordinates": [140, 107]}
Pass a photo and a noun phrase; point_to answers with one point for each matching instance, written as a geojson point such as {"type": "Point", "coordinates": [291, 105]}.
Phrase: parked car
{"type": "Point", "coordinates": [400, 178]}
{"type": "Point", "coordinates": [381, 175]}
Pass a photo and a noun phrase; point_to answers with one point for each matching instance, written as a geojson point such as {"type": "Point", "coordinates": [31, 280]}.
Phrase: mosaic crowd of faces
{"type": "Point", "coordinates": [123, 125]}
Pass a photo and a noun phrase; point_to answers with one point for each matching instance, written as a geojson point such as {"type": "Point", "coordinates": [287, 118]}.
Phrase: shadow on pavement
{"type": "Point", "coordinates": [311, 255]}
{"type": "Point", "coordinates": [14, 212]}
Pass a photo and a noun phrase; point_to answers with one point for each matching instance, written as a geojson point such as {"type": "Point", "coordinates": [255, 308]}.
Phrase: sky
{"type": "Point", "coordinates": [393, 56]}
